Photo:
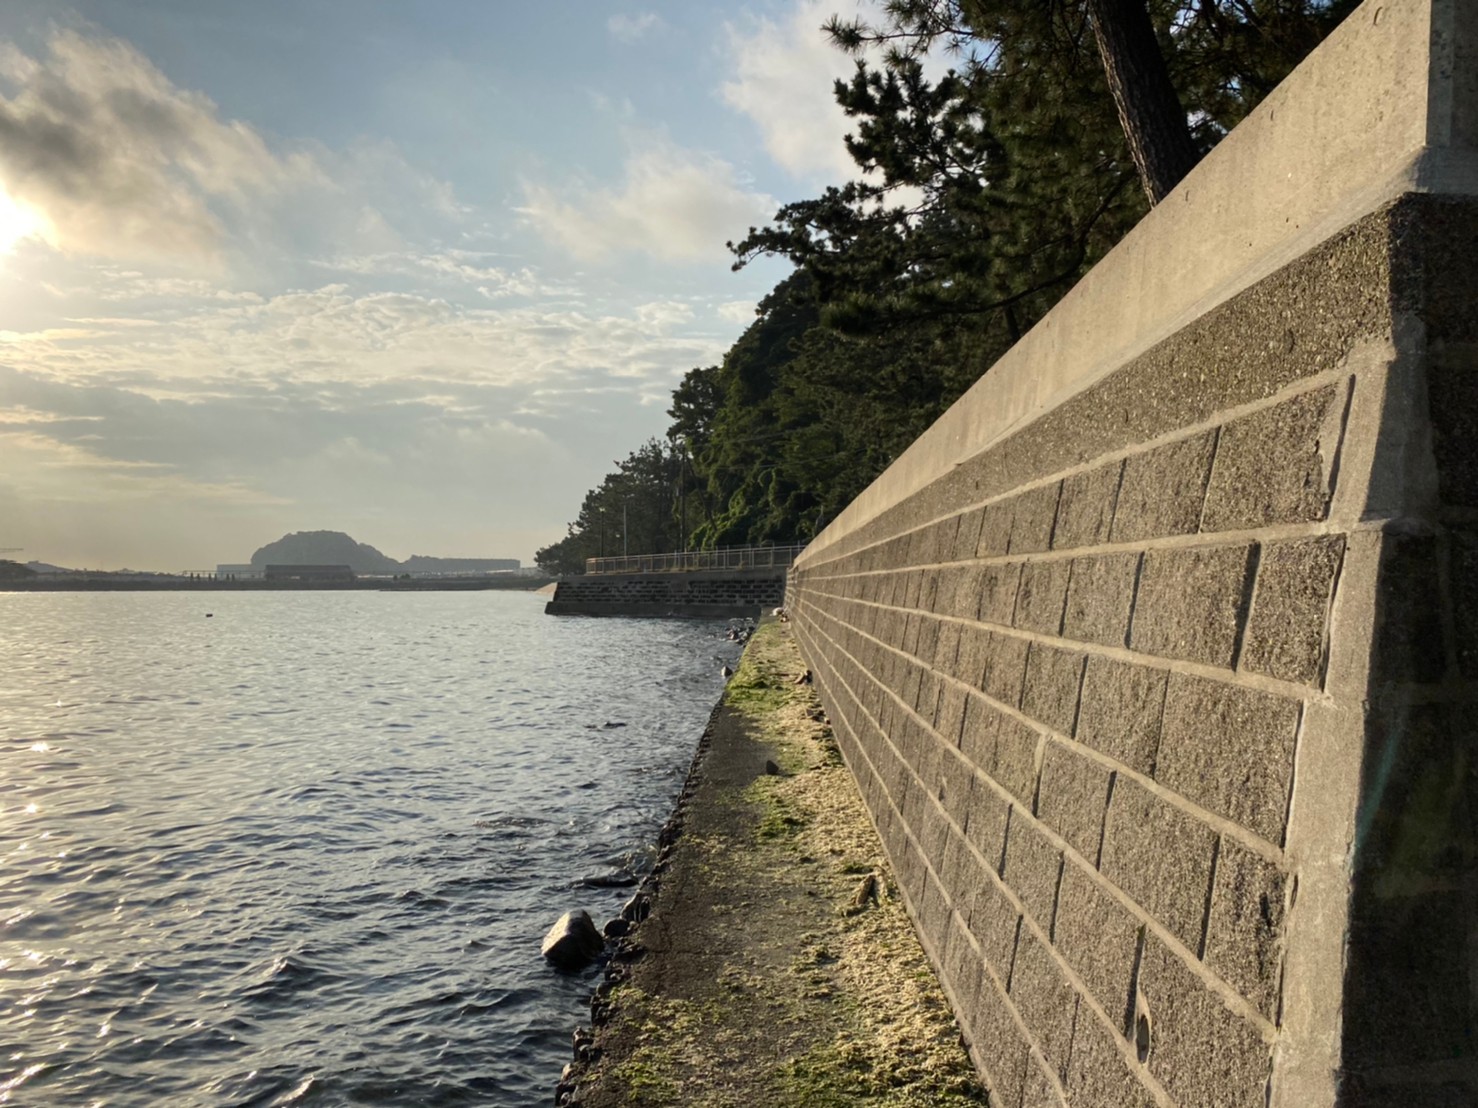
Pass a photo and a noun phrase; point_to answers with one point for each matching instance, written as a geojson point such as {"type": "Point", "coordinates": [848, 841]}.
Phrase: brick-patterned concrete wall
{"type": "Point", "coordinates": [1162, 702]}
{"type": "Point", "coordinates": [713, 594]}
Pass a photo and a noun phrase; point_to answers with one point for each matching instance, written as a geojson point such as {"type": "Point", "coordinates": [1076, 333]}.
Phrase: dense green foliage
{"type": "Point", "coordinates": [983, 196]}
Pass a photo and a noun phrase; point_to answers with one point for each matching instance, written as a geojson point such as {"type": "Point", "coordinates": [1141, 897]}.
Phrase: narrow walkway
{"type": "Point", "coordinates": [778, 967]}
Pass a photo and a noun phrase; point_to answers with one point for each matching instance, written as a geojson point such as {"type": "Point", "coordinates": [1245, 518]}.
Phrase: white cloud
{"type": "Point", "coordinates": [456, 268]}
{"type": "Point", "coordinates": [629, 26]}
{"type": "Point", "coordinates": [332, 335]}
{"type": "Point", "coordinates": [783, 77]}
{"type": "Point", "coordinates": [737, 311]}
{"type": "Point", "coordinates": [783, 74]}
{"type": "Point", "coordinates": [673, 204]}
{"type": "Point", "coordinates": [120, 161]}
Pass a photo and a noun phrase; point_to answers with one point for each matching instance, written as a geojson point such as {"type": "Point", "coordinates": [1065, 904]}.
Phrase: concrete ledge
{"type": "Point", "coordinates": [1387, 105]}
{"type": "Point", "coordinates": [777, 966]}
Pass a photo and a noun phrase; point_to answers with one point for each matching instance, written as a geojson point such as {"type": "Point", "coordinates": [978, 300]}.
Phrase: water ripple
{"type": "Point", "coordinates": [302, 853]}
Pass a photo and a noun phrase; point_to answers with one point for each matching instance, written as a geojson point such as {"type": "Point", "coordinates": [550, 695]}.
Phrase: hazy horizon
{"type": "Point", "coordinates": [414, 273]}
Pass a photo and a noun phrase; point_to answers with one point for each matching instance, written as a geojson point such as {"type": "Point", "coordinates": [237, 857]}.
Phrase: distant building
{"type": "Point", "coordinates": [244, 572]}
{"type": "Point", "coordinates": [309, 574]}
{"type": "Point", "coordinates": [419, 565]}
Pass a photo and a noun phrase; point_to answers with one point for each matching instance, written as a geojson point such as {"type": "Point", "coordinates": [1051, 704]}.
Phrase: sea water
{"type": "Point", "coordinates": [299, 848]}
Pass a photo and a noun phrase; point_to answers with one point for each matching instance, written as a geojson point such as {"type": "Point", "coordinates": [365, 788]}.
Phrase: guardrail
{"type": "Point", "coordinates": [729, 557]}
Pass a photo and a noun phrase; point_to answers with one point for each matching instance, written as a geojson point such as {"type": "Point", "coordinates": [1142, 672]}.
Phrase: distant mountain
{"type": "Point", "coordinates": [324, 548]}
{"type": "Point", "coordinates": [334, 548]}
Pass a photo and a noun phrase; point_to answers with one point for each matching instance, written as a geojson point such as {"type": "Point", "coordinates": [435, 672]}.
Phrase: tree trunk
{"type": "Point", "coordinates": [1149, 110]}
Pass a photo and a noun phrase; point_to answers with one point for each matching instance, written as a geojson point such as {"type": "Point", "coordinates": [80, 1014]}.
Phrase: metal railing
{"type": "Point", "coordinates": [729, 557]}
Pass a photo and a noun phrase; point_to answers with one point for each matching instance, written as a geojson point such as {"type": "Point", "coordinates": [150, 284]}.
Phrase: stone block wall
{"type": "Point", "coordinates": [1115, 687]}
{"type": "Point", "coordinates": [713, 594]}
{"type": "Point", "coordinates": [1156, 658]}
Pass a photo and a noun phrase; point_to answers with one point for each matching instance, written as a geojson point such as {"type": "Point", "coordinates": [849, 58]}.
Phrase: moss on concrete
{"type": "Point", "coordinates": [760, 980]}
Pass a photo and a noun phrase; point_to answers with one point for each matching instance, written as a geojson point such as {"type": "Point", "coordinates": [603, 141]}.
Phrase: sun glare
{"type": "Point", "coordinates": [17, 222]}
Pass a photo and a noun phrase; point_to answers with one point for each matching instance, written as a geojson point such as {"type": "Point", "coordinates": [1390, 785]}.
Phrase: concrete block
{"type": "Point", "coordinates": [1452, 381]}
{"type": "Point", "coordinates": [956, 783]}
{"type": "Point", "coordinates": [948, 647]}
{"type": "Point", "coordinates": [926, 642]}
{"type": "Point", "coordinates": [1286, 628]}
{"type": "Point", "coordinates": [998, 585]}
{"type": "Point", "coordinates": [1408, 646]}
{"type": "Point", "coordinates": [1244, 933]}
{"type": "Point", "coordinates": [1161, 857]}
{"type": "Point", "coordinates": [1015, 764]}
{"type": "Point", "coordinates": [1162, 490]}
{"type": "Point", "coordinates": [1039, 602]}
{"type": "Point", "coordinates": [1049, 692]}
{"type": "Point", "coordinates": [964, 585]}
{"type": "Point", "coordinates": [1410, 981]}
{"type": "Point", "coordinates": [1085, 509]}
{"type": "Point", "coordinates": [1000, 1046]}
{"type": "Point", "coordinates": [1047, 1003]}
{"type": "Point", "coordinates": [1230, 750]}
{"type": "Point", "coordinates": [978, 735]}
{"type": "Point", "coordinates": [967, 534]}
{"type": "Point", "coordinates": [1040, 1091]}
{"type": "Point", "coordinates": [1033, 514]}
{"type": "Point", "coordinates": [929, 590]}
{"type": "Point", "coordinates": [1191, 603]}
{"type": "Point", "coordinates": [993, 920]}
{"type": "Point", "coordinates": [1033, 866]}
{"type": "Point", "coordinates": [985, 825]}
{"type": "Point", "coordinates": [1098, 937]}
{"type": "Point", "coordinates": [1200, 1051]}
{"type": "Point", "coordinates": [1098, 1075]}
{"type": "Point", "coordinates": [1120, 711]}
{"type": "Point", "coordinates": [1276, 465]}
{"type": "Point", "coordinates": [973, 653]}
{"type": "Point", "coordinates": [1073, 798]}
{"type": "Point", "coordinates": [995, 530]}
{"type": "Point", "coordinates": [1100, 594]}
{"type": "Point", "coordinates": [1005, 668]}
{"type": "Point", "coordinates": [941, 541]}
{"type": "Point", "coordinates": [949, 713]}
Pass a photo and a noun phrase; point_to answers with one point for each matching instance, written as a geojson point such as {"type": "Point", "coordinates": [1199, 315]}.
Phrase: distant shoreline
{"type": "Point", "coordinates": [69, 583]}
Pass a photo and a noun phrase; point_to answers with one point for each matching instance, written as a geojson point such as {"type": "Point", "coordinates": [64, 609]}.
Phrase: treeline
{"type": "Point", "coordinates": [982, 197]}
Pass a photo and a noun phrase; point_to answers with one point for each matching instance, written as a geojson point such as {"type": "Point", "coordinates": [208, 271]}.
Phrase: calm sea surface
{"type": "Point", "coordinates": [302, 852]}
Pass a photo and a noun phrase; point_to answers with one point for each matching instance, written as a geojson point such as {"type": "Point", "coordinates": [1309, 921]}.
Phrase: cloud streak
{"type": "Point", "coordinates": [673, 204]}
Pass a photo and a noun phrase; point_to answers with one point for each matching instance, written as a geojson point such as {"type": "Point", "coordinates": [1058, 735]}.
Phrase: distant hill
{"type": "Point", "coordinates": [334, 548]}
{"type": "Point", "coordinates": [324, 548]}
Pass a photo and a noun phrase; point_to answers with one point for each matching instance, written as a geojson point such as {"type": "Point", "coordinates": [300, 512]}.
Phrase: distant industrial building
{"type": "Point", "coordinates": [310, 574]}
{"type": "Point", "coordinates": [241, 572]}
{"type": "Point", "coordinates": [419, 565]}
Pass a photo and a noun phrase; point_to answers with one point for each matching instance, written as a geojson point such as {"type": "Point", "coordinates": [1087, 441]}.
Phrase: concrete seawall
{"type": "Point", "coordinates": [702, 594]}
{"type": "Point", "coordinates": [1155, 659]}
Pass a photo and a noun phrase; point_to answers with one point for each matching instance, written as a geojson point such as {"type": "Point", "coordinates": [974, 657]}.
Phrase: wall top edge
{"type": "Point", "coordinates": [1387, 105]}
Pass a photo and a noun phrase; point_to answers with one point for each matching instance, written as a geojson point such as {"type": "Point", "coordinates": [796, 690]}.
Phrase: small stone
{"type": "Point", "coordinates": [616, 928]}
{"type": "Point", "coordinates": [573, 941]}
{"type": "Point", "coordinates": [867, 892]}
{"type": "Point", "coordinates": [771, 769]}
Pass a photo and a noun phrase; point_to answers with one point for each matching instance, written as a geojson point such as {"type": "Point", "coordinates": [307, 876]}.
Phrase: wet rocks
{"type": "Point", "coordinates": [573, 941]}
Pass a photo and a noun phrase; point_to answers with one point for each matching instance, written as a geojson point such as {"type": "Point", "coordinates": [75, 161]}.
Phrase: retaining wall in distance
{"type": "Point", "coordinates": [1156, 660]}
{"type": "Point", "coordinates": [707, 594]}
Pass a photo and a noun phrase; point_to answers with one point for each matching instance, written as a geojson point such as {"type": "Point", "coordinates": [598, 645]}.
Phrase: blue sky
{"type": "Point", "coordinates": [419, 272]}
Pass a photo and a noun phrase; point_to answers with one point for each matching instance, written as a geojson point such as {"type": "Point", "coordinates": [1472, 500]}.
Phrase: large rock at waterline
{"type": "Point", "coordinates": [573, 941]}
